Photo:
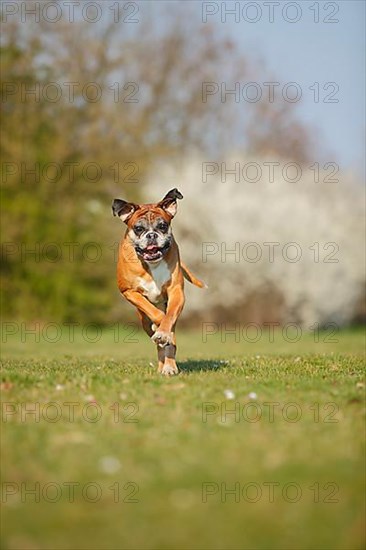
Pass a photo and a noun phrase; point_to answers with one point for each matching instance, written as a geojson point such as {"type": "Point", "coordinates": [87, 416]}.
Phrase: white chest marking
{"type": "Point", "coordinates": [160, 275]}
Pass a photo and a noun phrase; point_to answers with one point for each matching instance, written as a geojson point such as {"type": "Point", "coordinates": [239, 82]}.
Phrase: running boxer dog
{"type": "Point", "coordinates": [150, 273]}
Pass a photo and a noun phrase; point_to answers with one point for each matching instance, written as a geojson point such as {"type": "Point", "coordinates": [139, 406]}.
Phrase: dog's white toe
{"type": "Point", "coordinates": [162, 338]}
{"type": "Point", "coordinates": [169, 370]}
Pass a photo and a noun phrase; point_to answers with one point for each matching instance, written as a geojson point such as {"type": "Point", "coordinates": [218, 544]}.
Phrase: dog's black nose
{"type": "Point", "coordinates": [151, 236]}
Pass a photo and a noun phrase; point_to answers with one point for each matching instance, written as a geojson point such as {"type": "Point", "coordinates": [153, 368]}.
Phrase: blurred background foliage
{"type": "Point", "coordinates": [159, 119]}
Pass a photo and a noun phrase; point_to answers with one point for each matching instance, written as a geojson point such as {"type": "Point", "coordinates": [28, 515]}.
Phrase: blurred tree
{"type": "Point", "coordinates": [83, 124]}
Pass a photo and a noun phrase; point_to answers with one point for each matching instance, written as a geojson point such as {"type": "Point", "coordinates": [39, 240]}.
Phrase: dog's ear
{"type": "Point", "coordinates": [123, 209]}
{"type": "Point", "coordinates": [169, 202]}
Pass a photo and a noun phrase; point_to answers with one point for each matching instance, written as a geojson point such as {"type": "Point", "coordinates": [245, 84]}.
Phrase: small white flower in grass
{"type": "Point", "coordinates": [220, 422]}
{"type": "Point", "coordinates": [229, 394]}
{"type": "Point", "coordinates": [89, 398]}
{"type": "Point", "coordinates": [151, 364]}
{"type": "Point", "coordinates": [109, 464]}
{"type": "Point", "coordinates": [252, 395]}
{"type": "Point", "coordinates": [59, 387]}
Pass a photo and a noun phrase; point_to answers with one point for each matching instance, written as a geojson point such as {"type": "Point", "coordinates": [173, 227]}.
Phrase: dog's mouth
{"type": "Point", "coordinates": [152, 252]}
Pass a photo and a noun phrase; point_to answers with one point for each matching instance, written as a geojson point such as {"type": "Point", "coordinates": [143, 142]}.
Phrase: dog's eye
{"type": "Point", "coordinates": [162, 226]}
{"type": "Point", "coordinates": [138, 229]}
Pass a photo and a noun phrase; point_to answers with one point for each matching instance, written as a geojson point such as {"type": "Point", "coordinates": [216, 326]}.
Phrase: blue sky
{"type": "Point", "coordinates": [304, 52]}
{"type": "Point", "coordinates": [308, 52]}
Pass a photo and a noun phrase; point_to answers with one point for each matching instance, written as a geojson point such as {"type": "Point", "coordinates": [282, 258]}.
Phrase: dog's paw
{"type": "Point", "coordinates": [169, 370]}
{"type": "Point", "coordinates": [162, 338]}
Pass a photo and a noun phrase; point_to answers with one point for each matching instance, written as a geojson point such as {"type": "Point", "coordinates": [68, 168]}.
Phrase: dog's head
{"type": "Point", "coordinates": [149, 224]}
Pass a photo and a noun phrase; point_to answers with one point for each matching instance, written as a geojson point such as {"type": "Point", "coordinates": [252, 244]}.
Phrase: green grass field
{"type": "Point", "coordinates": [253, 446]}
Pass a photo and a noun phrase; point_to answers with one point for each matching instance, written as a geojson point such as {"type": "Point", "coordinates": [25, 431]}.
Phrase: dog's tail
{"type": "Point", "coordinates": [187, 273]}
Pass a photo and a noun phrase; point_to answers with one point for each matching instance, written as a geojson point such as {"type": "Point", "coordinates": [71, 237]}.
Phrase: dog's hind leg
{"type": "Point", "coordinates": [161, 358]}
{"type": "Point", "coordinates": [146, 323]}
{"type": "Point", "coordinates": [147, 326]}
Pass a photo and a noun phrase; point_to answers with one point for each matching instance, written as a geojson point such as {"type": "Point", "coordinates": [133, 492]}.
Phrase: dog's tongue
{"type": "Point", "coordinates": [151, 247]}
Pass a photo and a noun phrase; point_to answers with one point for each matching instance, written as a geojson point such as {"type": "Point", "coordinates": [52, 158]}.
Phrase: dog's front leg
{"type": "Point", "coordinates": [164, 335]}
{"type": "Point", "coordinates": [167, 364]}
{"type": "Point", "coordinates": [144, 306]}
{"type": "Point", "coordinates": [148, 328]}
